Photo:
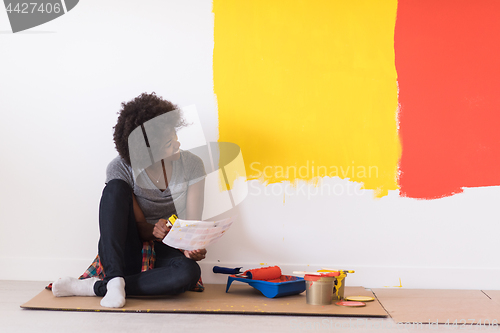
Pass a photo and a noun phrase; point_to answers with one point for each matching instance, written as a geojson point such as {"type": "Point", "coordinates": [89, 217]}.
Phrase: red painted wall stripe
{"type": "Point", "coordinates": [447, 59]}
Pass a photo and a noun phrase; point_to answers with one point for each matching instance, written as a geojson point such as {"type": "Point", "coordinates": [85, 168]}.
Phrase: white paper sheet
{"type": "Point", "coordinates": [194, 235]}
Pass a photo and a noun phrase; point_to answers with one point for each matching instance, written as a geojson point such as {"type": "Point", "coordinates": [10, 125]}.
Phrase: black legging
{"type": "Point", "coordinates": [120, 250]}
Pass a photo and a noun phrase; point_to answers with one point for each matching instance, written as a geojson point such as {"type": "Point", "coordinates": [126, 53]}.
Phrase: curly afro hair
{"type": "Point", "coordinates": [135, 113]}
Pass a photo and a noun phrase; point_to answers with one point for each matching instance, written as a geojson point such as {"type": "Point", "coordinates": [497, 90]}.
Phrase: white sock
{"type": "Point", "coordinates": [115, 294]}
{"type": "Point", "coordinates": [69, 286]}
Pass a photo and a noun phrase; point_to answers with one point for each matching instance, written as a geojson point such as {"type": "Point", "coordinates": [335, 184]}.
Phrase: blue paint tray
{"type": "Point", "coordinates": [284, 286]}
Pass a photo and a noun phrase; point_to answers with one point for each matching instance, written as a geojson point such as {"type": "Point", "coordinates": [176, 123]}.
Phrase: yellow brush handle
{"type": "Point", "coordinates": [171, 220]}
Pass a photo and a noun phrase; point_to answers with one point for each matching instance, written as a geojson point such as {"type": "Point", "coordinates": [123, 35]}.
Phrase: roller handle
{"type": "Point", "coordinates": [226, 270]}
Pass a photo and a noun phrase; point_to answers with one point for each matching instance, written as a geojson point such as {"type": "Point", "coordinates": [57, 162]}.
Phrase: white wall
{"type": "Point", "coordinates": [61, 85]}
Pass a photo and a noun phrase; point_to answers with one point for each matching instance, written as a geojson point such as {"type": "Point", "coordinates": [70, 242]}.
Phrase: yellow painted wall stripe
{"type": "Point", "coordinates": [309, 86]}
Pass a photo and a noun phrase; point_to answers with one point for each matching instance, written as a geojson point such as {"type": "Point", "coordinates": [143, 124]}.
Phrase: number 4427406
{"type": "Point", "coordinates": [32, 7]}
{"type": "Point", "coordinates": [462, 323]}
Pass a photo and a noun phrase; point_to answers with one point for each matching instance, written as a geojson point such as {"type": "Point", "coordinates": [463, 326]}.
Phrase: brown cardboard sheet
{"type": "Point", "coordinates": [241, 299]}
{"type": "Point", "coordinates": [439, 306]}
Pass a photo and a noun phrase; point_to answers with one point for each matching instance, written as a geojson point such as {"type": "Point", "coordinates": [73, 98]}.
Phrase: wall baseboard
{"type": "Point", "coordinates": [49, 269]}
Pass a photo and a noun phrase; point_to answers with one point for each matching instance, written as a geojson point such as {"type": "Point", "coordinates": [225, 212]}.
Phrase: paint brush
{"type": "Point", "coordinates": [304, 273]}
{"type": "Point", "coordinates": [319, 273]}
{"type": "Point", "coordinates": [335, 270]}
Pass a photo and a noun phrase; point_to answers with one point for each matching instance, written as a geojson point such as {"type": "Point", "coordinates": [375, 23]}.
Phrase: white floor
{"type": "Point", "coordinates": [13, 319]}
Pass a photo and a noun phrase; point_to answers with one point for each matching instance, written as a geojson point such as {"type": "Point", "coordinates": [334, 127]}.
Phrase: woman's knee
{"type": "Point", "coordinates": [189, 271]}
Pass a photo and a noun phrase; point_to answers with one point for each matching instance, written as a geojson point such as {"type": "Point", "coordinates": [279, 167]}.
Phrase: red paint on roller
{"type": "Point", "coordinates": [448, 73]}
{"type": "Point", "coordinates": [264, 273]}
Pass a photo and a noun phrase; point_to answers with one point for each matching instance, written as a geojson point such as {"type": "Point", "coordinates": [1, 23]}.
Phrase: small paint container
{"type": "Point", "coordinates": [319, 288]}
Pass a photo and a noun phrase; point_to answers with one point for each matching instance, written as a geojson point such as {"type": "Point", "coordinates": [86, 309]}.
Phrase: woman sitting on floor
{"type": "Point", "coordinates": [139, 196]}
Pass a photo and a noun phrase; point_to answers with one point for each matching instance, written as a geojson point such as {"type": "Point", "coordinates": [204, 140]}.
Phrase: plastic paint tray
{"type": "Point", "coordinates": [284, 286]}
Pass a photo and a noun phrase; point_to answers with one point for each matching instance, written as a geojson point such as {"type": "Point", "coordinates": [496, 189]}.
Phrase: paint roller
{"type": "Point", "coordinates": [262, 274]}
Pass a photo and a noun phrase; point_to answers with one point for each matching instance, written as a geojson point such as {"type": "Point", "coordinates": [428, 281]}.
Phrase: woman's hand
{"type": "Point", "coordinates": [196, 255]}
{"type": "Point", "coordinates": [161, 229]}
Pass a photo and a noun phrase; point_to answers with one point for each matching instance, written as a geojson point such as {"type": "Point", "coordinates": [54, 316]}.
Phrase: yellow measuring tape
{"type": "Point", "coordinates": [171, 220]}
